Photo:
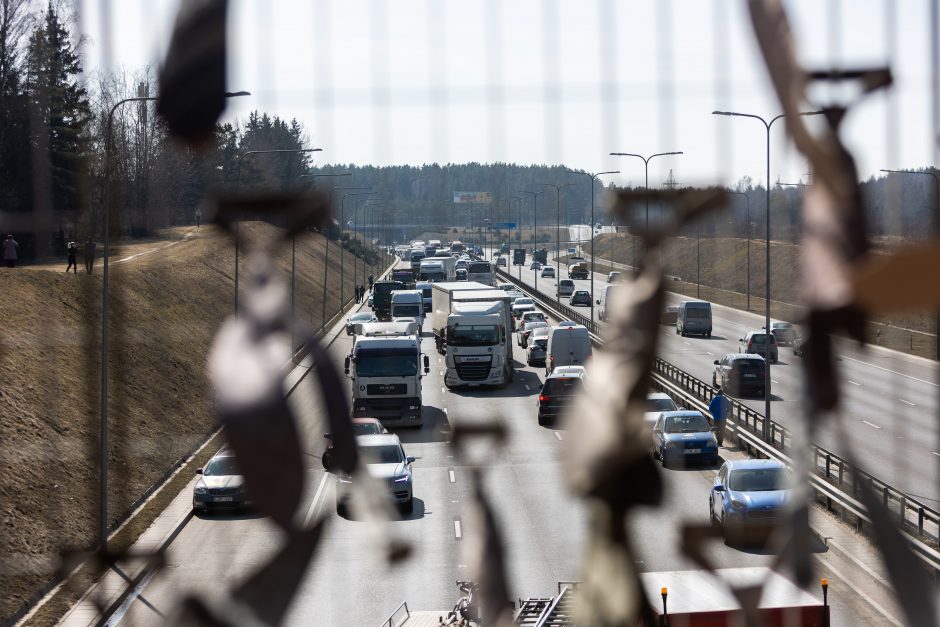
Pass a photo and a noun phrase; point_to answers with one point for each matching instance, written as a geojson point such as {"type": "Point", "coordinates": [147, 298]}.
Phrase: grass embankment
{"type": "Point", "coordinates": [167, 300]}
{"type": "Point", "coordinates": [723, 272]}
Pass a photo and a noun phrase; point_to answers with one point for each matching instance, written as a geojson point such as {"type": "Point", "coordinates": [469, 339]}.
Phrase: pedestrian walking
{"type": "Point", "coordinates": [90, 247]}
{"type": "Point", "coordinates": [72, 255]}
{"type": "Point", "coordinates": [370, 282]}
{"type": "Point", "coordinates": [720, 409]}
{"type": "Point", "coordinates": [198, 217]}
{"type": "Point", "coordinates": [9, 251]}
{"type": "Point", "coordinates": [359, 292]}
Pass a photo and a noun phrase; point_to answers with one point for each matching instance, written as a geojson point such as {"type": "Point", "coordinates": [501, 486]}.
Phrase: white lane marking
{"type": "Point", "coordinates": [457, 532]}
{"type": "Point", "coordinates": [709, 353]}
{"type": "Point", "coordinates": [907, 402]}
{"type": "Point", "coordinates": [854, 383]}
{"type": "Point", "coordinates": [453, 479]}
{"type": "Point", "coordinates": [935, 453]}
{"type": "Point", "coordinates": [774, 381]}
{"type": "Point", "coordinates": [558, 435]}
{"type": "Point", "coordinates": [864, 596]}
{"type": "Point", "coordinates": [316, 499]}
{"type": "Point", "coordinates": [871, 424]}
{"type": "Point", "coordinates": [443, 390]}
{"type": "Point", "coordinates": [442, 373]}
{"type": "Point", "coordinates": [686, 343]}
{"type": "Point", "coordinates": [859, 361]}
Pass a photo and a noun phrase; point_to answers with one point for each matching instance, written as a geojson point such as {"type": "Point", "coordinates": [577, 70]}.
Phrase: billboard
{"type": "Point", "coordinates": [483, 198]}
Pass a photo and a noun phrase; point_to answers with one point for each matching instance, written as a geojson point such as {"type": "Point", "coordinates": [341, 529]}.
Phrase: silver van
{"type": "Point", "coordinates": [604, 300]}
{"type": "Point", "coordinates": [694, 318]}
{"type": "Point", "coordinates": [569, 344]}
{"type": "Point", "coordinates": [565, 288]}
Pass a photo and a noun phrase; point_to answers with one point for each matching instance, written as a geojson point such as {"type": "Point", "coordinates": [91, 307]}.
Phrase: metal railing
{"type": "Point", "coordinates": [390, 621]}
{"type": "Point", "coordinates": [836, 481]}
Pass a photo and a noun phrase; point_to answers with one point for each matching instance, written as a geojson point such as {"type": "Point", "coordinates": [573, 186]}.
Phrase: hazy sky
{"type": "Point", "coordinates": [531, 81]}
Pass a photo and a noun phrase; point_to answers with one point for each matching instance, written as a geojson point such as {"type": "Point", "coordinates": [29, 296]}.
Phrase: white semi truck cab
{"type": "Point", "coordinates": [408, 304]}
{"type": "Point", "coordinates": [386, 375]}
{"type": "Point", "coordinates": [479, 344]}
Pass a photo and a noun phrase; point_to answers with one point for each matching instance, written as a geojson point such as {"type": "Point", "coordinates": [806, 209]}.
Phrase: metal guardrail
{"type": "Point", "coordinates": [836, 481]}
{"type": "Point", "coordinates": [390, 621]}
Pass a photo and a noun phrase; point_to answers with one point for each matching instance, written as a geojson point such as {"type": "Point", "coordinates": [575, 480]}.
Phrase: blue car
{"type": "Point", "coordinates": [748, 497]}
{"type": "Point", "coordinates": [686, 436]}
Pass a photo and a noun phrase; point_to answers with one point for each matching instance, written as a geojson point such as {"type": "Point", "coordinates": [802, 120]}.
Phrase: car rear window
{"type": "Point", "coordinates": [747, 365]}
{"type": "Point", "coordinates": [561, 386]}
{"type": "Point", "coordinates": [696, 312]}
{"type": "Point", "coordinates": [566, 283]}
{"type": "Point", "coordinates": [541, 342]}
{"type": "Point", "coordinates": [758, 338]}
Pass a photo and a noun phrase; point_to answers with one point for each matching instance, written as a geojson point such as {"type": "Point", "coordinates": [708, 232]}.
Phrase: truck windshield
{"type": "Point", "coordinates": [406, 311]}
{"type": "Point", "coordinates": [472, 335]}
{"type": "Point", "coordinates": [386, 365]}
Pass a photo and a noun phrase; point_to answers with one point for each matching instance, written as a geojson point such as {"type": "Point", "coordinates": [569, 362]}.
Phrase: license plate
{"type": "Point", "coordinates": [223, 499]}
{"type": "Point", "coordinates": [693, 451]}
{"type": "Point", "coordinates": [749, 376]}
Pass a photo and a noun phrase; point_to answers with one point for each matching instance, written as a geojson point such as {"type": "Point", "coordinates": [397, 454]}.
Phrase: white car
{"type": "Point", "coordinates": [385, 460]}
{"type": "Point", "coordinates": [526, 327]}
{"type": "Point", "coordinates": [657, 403]}
{"type": "Point", "coordinates": [508, 287]}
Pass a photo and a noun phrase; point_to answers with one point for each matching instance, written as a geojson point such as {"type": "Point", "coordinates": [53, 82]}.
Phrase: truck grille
{"type": "Point", "coordinates": [474, 371]}
{"type": "Point", "coordinates": [386, 388]}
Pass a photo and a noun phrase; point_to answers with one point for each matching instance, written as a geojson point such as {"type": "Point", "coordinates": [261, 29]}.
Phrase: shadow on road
{"type": "Point", "coordinates": [435, 428]}
{"type": "Point", "coordinates": [516, 389]}
{"type": "Point", "coordinates": [229, 516]}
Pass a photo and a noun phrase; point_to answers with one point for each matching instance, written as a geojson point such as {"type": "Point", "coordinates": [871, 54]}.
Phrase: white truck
{"type": "Point", "coordinates": [408, 304]}
{"type": "Point", "coordinates": [442, 297]}
{"type": "Point", "coordinates": [385, 373]}
{"type": "Point", "coordinates": [478, 339]}
{"type": "Point", "coordinates": [438, 269]}
{"type": "Point", "coordinates": [415, 255]}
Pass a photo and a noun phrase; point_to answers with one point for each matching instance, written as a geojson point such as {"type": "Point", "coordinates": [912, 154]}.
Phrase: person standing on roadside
{"type": "Point", "coordinates": [720, 409]}
{"type": "Point", "coordinates": [89, 255]}
{"type": "Point", "coordinates": [198, 217]}
{"type": "Point", "coordinates": [72, 255]}
{"type": "Point", "coordinates": [371, 281]}
{"type": "Point", "coordinates": [9, 251]}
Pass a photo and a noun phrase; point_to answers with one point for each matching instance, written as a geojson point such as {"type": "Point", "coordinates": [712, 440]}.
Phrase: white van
{"type": "Point", "coordinates": [604, 300]}
{"type": "Point", "coordinates": [408, 304]}
{"type": "Point", "coordinates": [695, 317]}
{"type": "Point", "coordinates": [565, 288]}
{"type": "Point", "coordinates": [569, 344]}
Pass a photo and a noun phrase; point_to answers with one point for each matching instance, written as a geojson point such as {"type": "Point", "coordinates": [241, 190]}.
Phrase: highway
{"type": "Point", "coordinates": [889, 398]}
{"type": "Point", "coordinates": [542, 523]}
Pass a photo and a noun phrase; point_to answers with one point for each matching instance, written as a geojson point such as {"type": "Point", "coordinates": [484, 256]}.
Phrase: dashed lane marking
{"type": "Point", "coordinates": [774, 381]}
{"type": "Point", "coordinates": [907, 402]}
{"type": "Point", "coordinates": [443, 390]}
{"type": "Point", "coordinates": [854, 383]}
{"type": "Point", "coordinates": [558, 435]}
{"type": "Point", "coordinates": [457, 531]}
{"type": "Point", "coordinates": [316, 500]}
{"type": "Point", "coordinates": [871, 424]}
{"type": "Point", "coordinates": [935, 453]}
{"type": "Point", "coordinates": [453, 478]}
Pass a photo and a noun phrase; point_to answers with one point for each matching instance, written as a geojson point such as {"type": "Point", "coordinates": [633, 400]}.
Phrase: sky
{"type": "Point", "coordinates": [548, 81]}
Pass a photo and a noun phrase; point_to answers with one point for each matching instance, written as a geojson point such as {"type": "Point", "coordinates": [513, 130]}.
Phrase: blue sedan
{"type": "Point", "coordinates": [748, 497]}
{"type": "Point", "coordinates": [686, 436]}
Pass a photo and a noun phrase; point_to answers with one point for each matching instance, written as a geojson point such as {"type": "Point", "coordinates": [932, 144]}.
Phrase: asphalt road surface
{"type": "Point", "coordinates": [890, 399]}
{"type": "Point", "coordinates": [543, 524]}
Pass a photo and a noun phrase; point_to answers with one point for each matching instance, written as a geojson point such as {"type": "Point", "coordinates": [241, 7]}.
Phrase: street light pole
{"type": "Point", "coordinates": [593, 177]}
{"type": "Point", "coordinates": [747, 216]}
{"type": "Point", "coordinates": [342, 255]}
{"type": "Point", "coordinates": [646, 168]}
{"type": "Point", "coordinates": [767, 125]}
{"type": "Point", "coordinates": [936, 199]}
{"type": "Point", "coordinates": [535, 234]}
{"type": "Point", "coordinates": [103, 453]}
{"type": "Point", "coordinates": [558, 189]}
{"type": "Point", "coordinates": [326, 257]}
{"type": "Point", "coordinates": [518, 199]}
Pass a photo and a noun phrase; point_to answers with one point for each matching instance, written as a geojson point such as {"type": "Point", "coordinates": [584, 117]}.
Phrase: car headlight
{"type": "Point", "coordinates": [712, 443]}
{"type": "Point", "coordinates": [403, 479]}
{"type": "Point", "coordinates": [201, 489]}
{"type": "Point", "coordinates": [738, 505]}
{"type": "Point", "coordinates": [671, 444]}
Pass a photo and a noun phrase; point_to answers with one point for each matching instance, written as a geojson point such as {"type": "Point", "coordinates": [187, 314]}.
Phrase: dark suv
{"type": "Point", "coordinates": [740, 374]}
{"type": "Point", "coordinates": [557, 391]}
{"type": "Point", "coordinates": [753, 343]}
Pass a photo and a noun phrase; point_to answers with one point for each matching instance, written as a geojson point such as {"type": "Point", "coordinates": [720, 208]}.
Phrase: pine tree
{"type": "Point", "coordinates": [59, 108]}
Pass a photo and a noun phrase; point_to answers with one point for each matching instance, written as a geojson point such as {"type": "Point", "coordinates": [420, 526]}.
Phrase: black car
{"type": "Point", "coordinates": [221, 486]}
{"type": "Point", "coordinates": [741, 374]}
{"type": "Point", "coordinates": [581, 298]}
{"type": "Point", "coordinates": [557, 391]}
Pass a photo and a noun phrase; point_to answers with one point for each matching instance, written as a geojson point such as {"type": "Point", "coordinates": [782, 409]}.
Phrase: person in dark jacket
{"type": "Point", "coordinates": [72, 255]}
{"type": "Point", "coordinates": [9, 251]}
{"type": "Point", "coordinates": [720, 409]}
{"type": "Point", "coordinates": [89, 255]}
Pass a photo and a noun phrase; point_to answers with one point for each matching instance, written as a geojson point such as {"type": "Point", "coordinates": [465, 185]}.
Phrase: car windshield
{"type": "Point", "coordinates": [696, 312]}
{"type": "Point", "coordinates": [367, 428]}
{"type": "Point", "coordinates": [219, 466]}
{"type": "Point", "coordinates": [472, 335]}
{"type": "Point", "coordinates": [686, 424]}
{"type": "Point", "coordinates": [534, 316]}
{"type": "Point", "coordinates": [387, 365]}
{"type": "Point", "coordinates": [523, 301]}
{"type": "Point", "coordinates": [758, 480]}
{"type": "Point", "coordinates": [406, 311]}
{"type": "Point", "coordinates": [360, 317]}
{"type": "Point", "coordinates": [384, 454]}
{"type": "Point", "coordinates": [660, 404]}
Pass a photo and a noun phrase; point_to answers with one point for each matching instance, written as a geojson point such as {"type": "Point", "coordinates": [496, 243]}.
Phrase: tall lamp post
{"type": "Point", "coordinates": [646, 168]}
{"type": "Point", "coordinates": [518, 200]}
{"type": "Point", "coordinates": [535, 228]}
{"type": "Point", "coordinates": [105, 316]}
{"type": "Point", "coordinates": [326, 259]}
{"type": "Point", "coordinates": [747, 231]}
{"type": "Point", "coordinates": [342, 255]}
{"type": "Point", "coordinates": [767, 125]}
{"type": "Point", "coordinates": [936, 199]}
{"type": "Point", "coordinates": [593, 177]}
{"type": "Point", "coordinates": [558, 189]}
